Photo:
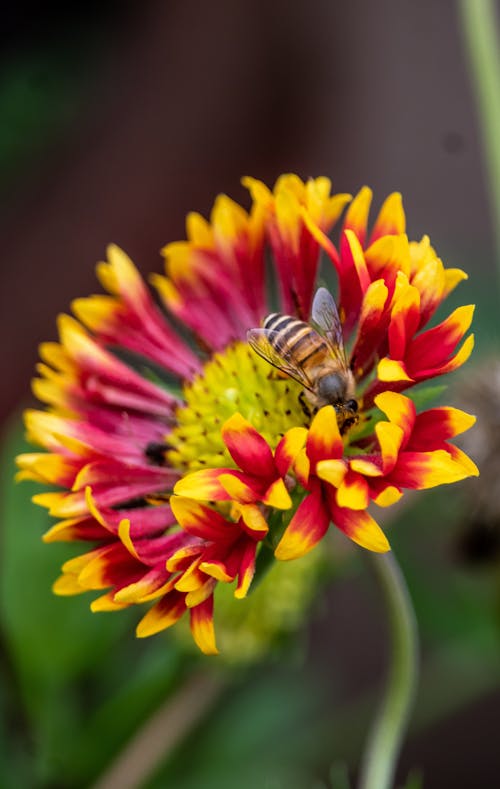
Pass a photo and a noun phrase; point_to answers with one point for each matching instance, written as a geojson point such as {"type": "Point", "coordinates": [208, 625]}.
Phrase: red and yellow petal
{"type": "Point", "coordinates": [156, 583]}
{"type": "Point", "coordinates": [107, 602]}
{"type": "Point", "coordinates": [202, 592]}
{"type": "Point", "coordinates": [324, 441]}
{"type": "Point", "coordinates": [429, 280]}
{"type": "Point", "coordinates": [49, 468]}
{"type": "Point", "coordinates": [302, 468]}
{"type": "Point", "coordinates": [452, 276]}
{"type": "Point", "coordinates": [307, 527]}
{"type": "Point", "coordinates": [354, 279]}
{"type": "Point", "coordinates": [55, 433]}
{"type": "Point", "coordinates": [392, 371]}
{"type": "Point", "coordinates": [320, 237]}
{"type": "Point", "coordinates": [374, 301]}
{"type": "Point", "coordinates": [383, 493]}
{"type": "Point", "coordinates": [192, 578]}
{"type": "Point", "coordinates": [181, 560]}
{"type": "Point", "coordinates": [405, 317]}
{"type": "Point", "coordinates": [324, 208]}
{"type": "Point", "coordinates": [249, 450]}
{"type": "Point", "coordinates": [433, 347]}
{"type": "Point", "coordinates": [372, 327]}
{"type": "Point", "coordinates": [95, 312]}
{"type": "Point", "coordinates": [332, 471]}
{"type": "Point", "coordinates": [165, 613]}
{"type": "Point", "coordinates": [202, 626]}
{"type": "Point", "coordinates": [355, 258]}
{"type": "Point", "coordinates": [104, 370]}
{"type": "Point", "coordinates": [288, 449]}
{"type": "Point", "coordinates": [277, 495]}
{"type": "Point", "coordinates": [400, 410]}
{"type": "Point", "coordinates": [422, 470]}
{"type": "Point", "coordinates": [251, 519]}
{"type": "Point", "coordinates": [109, 566]}
{"type": "Point", "coordinates": [82, 528]}
{"type": "Point", "coordinates": [391, 219]}
{"type": "Point", "coordinates": [463, 460]}
{"type": "Point", "coordinates": [68, 584]}
{"type": "Point", "coordinates": [199, 520]}
{"type": "Point", "coordinates": [353, 492]}
{"type": "Point", "coordinates": [204, 485]}
{"type": "Point", "coordinates": [388, 257]}
{"type": "Point", "coordinates": [130, 318]}
{"type": "Point", "coordinates": [368, 465]}
{"type": "Point", "coordinates": [456, 361]}
{"type": "Point", "coordinates": [390, 438]}
{"type": "Point", "coordinates": [360, 527]}
{"type": "Point", "coordinates": [246, 569]}
{"type": "Point", "coordinates": [119, 276]}
{"type": "Point", "coordinates": [240, 487]}
{"type": "Point", "coordinates": [436, 425]}
{"type": "Point", "coordinates": [356, 218]}
{"type": "Point", "coordinates": [217, 569]}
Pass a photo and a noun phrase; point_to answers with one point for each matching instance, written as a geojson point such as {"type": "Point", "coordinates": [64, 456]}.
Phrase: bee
{"type": "Point", "coordinates": [312, 354]}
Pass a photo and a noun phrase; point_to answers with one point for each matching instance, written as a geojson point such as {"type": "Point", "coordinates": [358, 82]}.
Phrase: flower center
{"type": "Point", "coordinates": [235, 380]}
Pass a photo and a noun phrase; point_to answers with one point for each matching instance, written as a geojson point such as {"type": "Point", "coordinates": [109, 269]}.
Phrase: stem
{"type": "Point", "coordinates": [479, 30]}
{"type": "Point", "coordinates": [386, 736]}
{"type": "Point", "coordinates": [155, 741]}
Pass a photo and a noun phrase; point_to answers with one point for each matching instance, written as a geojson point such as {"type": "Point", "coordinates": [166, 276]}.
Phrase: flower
{"type": "Point", "coordinates": [410, 451]}
{"type": "Point", "coordinates": [183, 461]}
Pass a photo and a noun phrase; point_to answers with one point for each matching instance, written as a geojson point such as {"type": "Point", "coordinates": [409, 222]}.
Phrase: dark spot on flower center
{"type": "Point", "coordinates": [155, 453]}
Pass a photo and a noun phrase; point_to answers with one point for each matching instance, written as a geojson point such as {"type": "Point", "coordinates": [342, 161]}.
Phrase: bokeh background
{"type": "Point", "coordinates": [116, 119]}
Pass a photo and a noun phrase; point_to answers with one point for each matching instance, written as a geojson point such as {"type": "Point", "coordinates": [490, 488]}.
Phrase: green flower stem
{"type": "Point", "coordinates": [479, 29]}
{"type": "Point", "coordinates": [386, 736]}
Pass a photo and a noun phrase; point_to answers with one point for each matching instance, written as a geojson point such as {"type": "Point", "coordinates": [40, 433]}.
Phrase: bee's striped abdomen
{"type": "Point", "coordinates": [297, 338]}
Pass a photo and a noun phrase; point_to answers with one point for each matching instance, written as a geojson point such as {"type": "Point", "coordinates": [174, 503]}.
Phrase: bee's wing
{"type": "Point", "coordinates": [277, 354]}
{"type": "Point", "coordinates": [325, 319]}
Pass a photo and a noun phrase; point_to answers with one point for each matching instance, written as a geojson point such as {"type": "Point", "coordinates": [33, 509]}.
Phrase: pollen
{"type": "Point", "coordinates": [234, 381]}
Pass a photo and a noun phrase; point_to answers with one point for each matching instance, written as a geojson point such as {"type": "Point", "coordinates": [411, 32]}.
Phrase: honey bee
{"type": "Point", "coordinates": [312, 354]}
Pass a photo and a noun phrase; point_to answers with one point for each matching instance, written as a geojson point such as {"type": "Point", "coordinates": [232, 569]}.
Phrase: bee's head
{"type": "Point", "coordinates": [332, 388]}
{"type": "Point", "coordinates": [351, 405]}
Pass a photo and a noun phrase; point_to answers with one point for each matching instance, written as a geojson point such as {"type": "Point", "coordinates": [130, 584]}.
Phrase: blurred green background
{"type": "Point", "coordinates": [116, 118]}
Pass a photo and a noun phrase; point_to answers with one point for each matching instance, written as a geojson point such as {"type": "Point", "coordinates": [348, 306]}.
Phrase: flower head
{"type": "Point", "coordinates": [181, 462]}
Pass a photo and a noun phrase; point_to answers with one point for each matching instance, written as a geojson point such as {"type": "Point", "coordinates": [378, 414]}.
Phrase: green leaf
{"type": "Point", "coordinates": [249, 741]}
{"type": "Point", "coordinates": [339, 776]}
{"type": "Point", "coordinates": [414, 781]}
{"type": "Point", "coordinates": [80, 683]}
{"type": "Point", "coordinates": [48, 636]}
{"type": "Point", "coordinates": [424, 396]}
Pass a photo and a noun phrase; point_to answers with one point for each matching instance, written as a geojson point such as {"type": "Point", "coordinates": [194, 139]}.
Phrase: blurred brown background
{"type": "Point", "coordinates": [158, 106]}
{"type": "Point", "coordinates": [167, 103]}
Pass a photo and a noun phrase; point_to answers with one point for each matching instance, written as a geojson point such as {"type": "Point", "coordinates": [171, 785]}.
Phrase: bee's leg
{"type": "Point", "coordinates": [305, 405]}
{"type": "Point", "coordinates": [348, 423]}
{"type": "Point", "coordinates": [344, 427]}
